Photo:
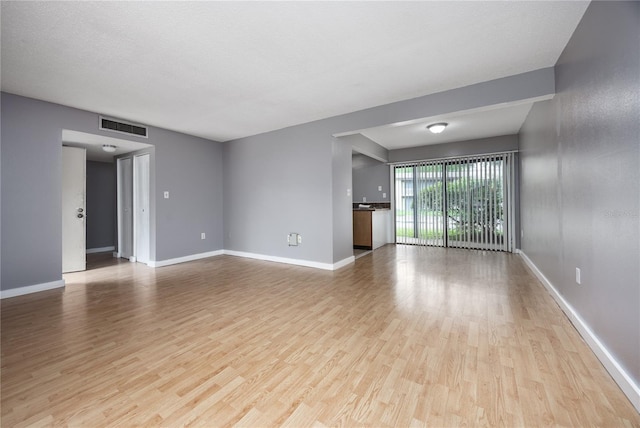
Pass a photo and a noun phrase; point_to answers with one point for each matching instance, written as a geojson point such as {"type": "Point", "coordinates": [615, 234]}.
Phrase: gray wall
{"type": "Point", "coordinates": [366, 146]}
{"type": "Point", "coordinates": [342, 212]}
{"type": "Point", "coordinates": [274, 183]}
{"type": "Point", "coordinates": [461, 148]}
{"type": "Point", "coordinates": [101, 204]}
{"type": "Point", "coordinates": [190, 167]}
{"type": "Point", "coordinates": [366, 180]}
{"type": "Point", "coordinates": [580, 178]}
{"type": "Point", "coordinates": [292, 180]}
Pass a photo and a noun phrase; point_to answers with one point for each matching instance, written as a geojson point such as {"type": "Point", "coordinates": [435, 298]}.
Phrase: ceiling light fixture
{"type": "Point", "coordinates": [109, 148]}
{"type": "Point", "coordinates": [437, 128]}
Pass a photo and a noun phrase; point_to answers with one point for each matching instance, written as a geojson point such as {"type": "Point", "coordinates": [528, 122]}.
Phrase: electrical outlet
{"type": "Point", "coordinates": [578, 279]}
{"type": "Point", "coordinates": [364, 199]}
{"type": "Point", "coordinates": [294, 239]}
{"type": "Point", "coordinates": [384, 195]}
{"type": "Point", "coordinates": [203, 235]}
{"type": "Point", "coordinates": [379, 188]}
{"type": "Point", "coordinates": [348, 192]}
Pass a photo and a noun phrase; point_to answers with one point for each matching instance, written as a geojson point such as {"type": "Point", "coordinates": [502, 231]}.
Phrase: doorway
{"type": "Point", "coordinates": [133, 208]}
{"type": "Point", "coordinates": [95, 147]}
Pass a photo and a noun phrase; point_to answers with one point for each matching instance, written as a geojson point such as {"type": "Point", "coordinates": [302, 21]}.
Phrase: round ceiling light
{"type": "Point", "coordinates": [437, 128]}
{"type": "Point", "coordinates": [109, 148]}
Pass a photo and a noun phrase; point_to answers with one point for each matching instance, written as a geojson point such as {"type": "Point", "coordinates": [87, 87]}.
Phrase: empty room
{"type": "Point", "coordinates": [381, 214]}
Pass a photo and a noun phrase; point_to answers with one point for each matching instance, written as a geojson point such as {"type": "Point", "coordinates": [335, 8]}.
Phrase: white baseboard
{"type": "Point", "coordinates": [190, 258]}
{"type": "Point", "coordinates": [344, 262]}
{"type": "Point", "coordinates": [100, 250]}
{"type": "Point", "coordinates": [13, 292]}
{"type": "Point", "coordinates": [297, 262]}
{"type": "Point", "coordinates": [622, 378]}
{"type": "Point", "coordinates": [155, 264]}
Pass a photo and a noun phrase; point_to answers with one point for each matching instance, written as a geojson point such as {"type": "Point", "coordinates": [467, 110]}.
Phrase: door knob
{"type": "Point", "coordinates": [80, 210]}
{"type": "Point", "coordinates": [80, 215]}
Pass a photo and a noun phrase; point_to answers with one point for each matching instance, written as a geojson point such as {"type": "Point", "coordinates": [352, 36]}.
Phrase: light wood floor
{"type": "Point", "coordinates": [407, 336]}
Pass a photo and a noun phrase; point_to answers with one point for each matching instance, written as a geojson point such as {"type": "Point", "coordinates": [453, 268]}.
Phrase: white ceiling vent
{"type": "Point", "coordinates": [107, 124]}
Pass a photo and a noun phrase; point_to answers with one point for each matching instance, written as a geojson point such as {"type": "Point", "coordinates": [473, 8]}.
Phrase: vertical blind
{"type": "Point", "coordinates": [463, 202]}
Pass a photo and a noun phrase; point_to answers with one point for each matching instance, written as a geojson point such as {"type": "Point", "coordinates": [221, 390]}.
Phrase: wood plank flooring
{"type": "Point", "coordinates": [406, 336]}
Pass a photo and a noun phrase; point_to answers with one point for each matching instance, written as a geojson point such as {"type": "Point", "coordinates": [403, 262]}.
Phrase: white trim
{"type": "Point", "coordinates": [192, 257]}
{"type": "Point", "coordinates": [100, 249]}
{"type": "Point", "coordinates": [141, 219]}
{"type": "Point", "coordinates": [344, 262]}
{"type": "Point", "coordinates": [622, 378]}
{"type": "Point", "coordinates": [13, 292]}
{"type": "Point", "coordinates": [116, 255]}
{"type": "Point", "coordinates": [297, 262]}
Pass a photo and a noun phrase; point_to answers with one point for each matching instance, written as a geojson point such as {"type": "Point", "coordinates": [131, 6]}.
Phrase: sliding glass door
{"type": "Point", "coordinates": [463, 203]}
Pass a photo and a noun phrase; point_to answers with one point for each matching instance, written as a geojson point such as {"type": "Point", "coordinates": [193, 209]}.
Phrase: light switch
{"type": "Point", "coordinates": [166, 194]}
{"type": "Point", "coordinates": [384, 195]}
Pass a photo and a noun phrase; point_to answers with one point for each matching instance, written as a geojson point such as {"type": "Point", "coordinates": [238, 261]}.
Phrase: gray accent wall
{"type": "Point", "coordinates": [580, 180]}
{"type": "Point", "coordinates": [190, 167]}
{"type": "Point", "coordinates": [101, 204]}
{"type": "Point", "coordinates": [366, 180]}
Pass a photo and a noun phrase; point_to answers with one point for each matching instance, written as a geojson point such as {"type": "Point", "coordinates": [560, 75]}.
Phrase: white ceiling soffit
{"type": "Point", "coordinates": [468, 125]}
{"type": "Point", "coordinates": [225, 70]}
{"type": "Point", "coordinates": [93, 143]}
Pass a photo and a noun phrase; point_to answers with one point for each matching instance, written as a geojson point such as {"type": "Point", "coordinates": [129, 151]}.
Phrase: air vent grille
{"type": "Point", "coordinates": [124, 127]}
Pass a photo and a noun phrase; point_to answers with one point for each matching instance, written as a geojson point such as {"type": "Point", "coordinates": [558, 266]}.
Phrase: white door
{"type": "Point", "coordinates": [73, 209]}
{"type": "Point", "coordinates": [125, 208]}
{"type": "Point", "coordinates": [141, 207]}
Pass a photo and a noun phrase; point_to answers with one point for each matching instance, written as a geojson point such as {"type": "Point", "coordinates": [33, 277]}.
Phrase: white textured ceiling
{"type": "Point", "coordinates": [224, 70]}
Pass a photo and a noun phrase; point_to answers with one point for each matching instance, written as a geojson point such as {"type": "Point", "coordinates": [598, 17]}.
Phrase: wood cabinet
{"type": "Point", "coordinates": [371, 228]}
{"type": "Point", "coordinates": [362, 231]}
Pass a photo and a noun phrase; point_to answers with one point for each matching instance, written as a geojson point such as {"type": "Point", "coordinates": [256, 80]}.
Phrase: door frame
{"type": "Point", "coordinates": [81, 210]}
{"type": "Point", "coordinates": [141, 181]}
{"type": "Point", "coordinates": [120, 229]}
{"type": "Point", "coordinates": [119, 214]}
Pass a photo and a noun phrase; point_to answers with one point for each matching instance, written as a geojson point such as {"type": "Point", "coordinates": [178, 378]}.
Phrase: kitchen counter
{"type": "Point", "coordinates": [373, 206]}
